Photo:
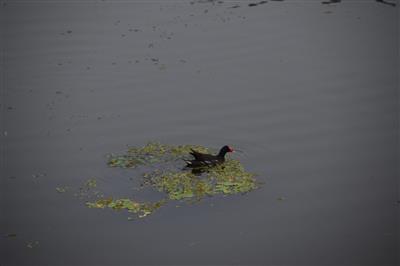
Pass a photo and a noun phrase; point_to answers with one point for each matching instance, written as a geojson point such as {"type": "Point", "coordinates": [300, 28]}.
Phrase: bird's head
{"type": "Point", "coordinates": [225, 149]}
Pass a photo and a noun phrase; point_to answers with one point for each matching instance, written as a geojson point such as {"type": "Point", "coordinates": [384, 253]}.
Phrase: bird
{"type": "Point", "coordinates": [204, 159]}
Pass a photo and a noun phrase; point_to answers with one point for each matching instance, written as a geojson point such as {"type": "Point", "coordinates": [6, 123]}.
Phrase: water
{"type": "Point", "coordinates": [308, 92]}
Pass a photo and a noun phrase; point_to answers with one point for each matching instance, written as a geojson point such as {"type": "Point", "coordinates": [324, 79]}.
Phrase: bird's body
{"type": "Point", "coordinates": [206, 160]}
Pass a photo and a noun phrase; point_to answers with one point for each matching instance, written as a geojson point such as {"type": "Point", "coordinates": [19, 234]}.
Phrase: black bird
{"type": "Point", "coordinates": [204, 160]}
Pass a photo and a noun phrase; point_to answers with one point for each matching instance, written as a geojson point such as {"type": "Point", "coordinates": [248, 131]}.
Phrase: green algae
{"type": "Point", "coordinates": [175, 183]}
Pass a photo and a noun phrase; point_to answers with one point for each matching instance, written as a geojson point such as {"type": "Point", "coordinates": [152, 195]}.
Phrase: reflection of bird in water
{"type": "Point", "coordinates": [203, 160]}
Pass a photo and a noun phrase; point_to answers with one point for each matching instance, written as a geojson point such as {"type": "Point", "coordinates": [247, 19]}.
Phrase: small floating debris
{"type": "Point", "coordinates": [91, 183]}
{"type": "Point", "coordinates": [61, 189]}
{"type": "Point", "coordinates": [39, 175]}
{"type": "Point", "coordinates": [32, 244]}
{"type": "Point", "coordinates": [87, 189]}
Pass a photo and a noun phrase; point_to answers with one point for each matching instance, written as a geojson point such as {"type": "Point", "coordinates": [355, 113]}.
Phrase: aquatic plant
{"type": "Point", "coordinates": [231, 178]}
{"type": "Point", "coordinates": [142, 209]}
{"type": "Point", "coordinates": [179, 185]}
{"type": "Point", "coordinates": [152, 152]}
{"type": "Point", "coordinates": [227, 178]}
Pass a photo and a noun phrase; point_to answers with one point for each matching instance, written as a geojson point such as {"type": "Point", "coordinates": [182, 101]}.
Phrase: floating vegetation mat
{"type": "Point", "coordinates": [167, 176]}
{"type": "Point", "coordinates": [142, 209]}
{"type": "Point", "coordinates": [152, 152]}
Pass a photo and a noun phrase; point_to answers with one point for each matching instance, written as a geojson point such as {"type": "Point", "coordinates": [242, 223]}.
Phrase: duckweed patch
{"type": "Point", "coordinates": [175, 184]}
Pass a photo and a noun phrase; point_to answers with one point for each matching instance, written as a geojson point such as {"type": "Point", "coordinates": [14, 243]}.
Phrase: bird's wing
{"type": "Point", "coordinates": [198, 155]}
{"type": "Point", "coordinates": [195, 163]}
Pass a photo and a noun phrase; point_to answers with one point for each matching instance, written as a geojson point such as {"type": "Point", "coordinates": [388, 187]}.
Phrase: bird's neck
{"type": "Point", "coordinates": [222, 154]}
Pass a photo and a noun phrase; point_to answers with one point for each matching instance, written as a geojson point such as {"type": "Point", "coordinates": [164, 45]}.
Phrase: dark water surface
{"type": "Point", "coordinates": [308, 91]}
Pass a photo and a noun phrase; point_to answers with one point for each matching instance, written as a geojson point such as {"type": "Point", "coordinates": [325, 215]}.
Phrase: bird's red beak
{"type": "Point", "coordinates": [231, 149]}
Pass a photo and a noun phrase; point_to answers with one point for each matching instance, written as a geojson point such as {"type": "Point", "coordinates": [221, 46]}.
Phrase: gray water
{"type": "Point", "coordinates": [307, 90]}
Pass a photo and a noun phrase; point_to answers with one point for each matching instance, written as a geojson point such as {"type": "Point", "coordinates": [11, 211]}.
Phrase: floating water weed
{"type": "Point", "coordinates": [152, 152]}
{"type": "Point", "coordinates": [142, 209]}
{"type": "Point", "coordinates": [175, 183]}
{"type": "Point", "coordinates": [227, 178]}
{"type": "Point", "coordinates": [231, 178]}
